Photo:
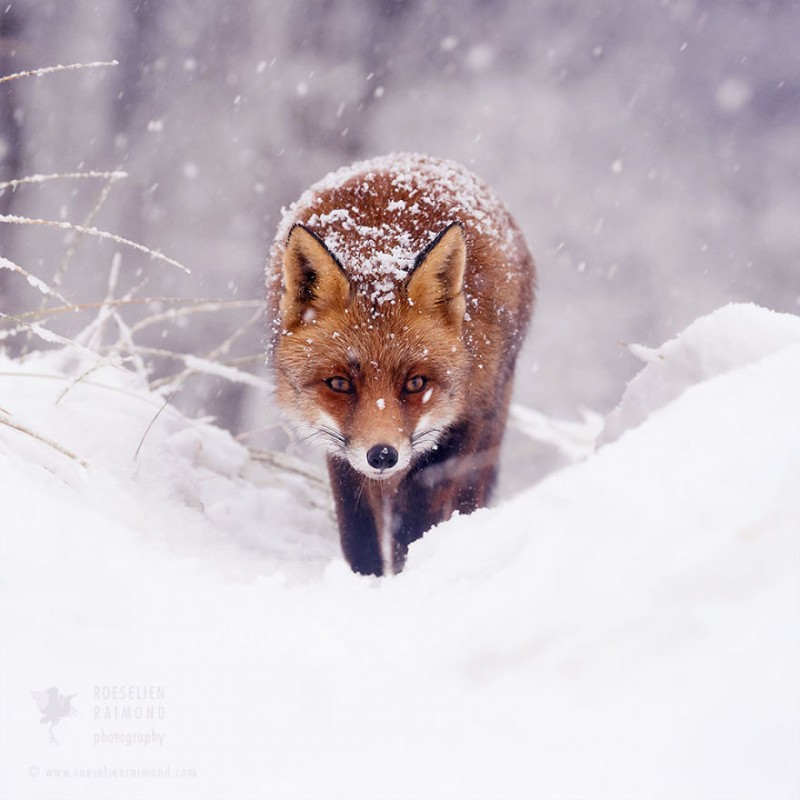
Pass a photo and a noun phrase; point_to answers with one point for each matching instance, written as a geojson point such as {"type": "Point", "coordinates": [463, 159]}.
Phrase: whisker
{"type": "Point", "coordinates": [361, 490]}
{"type": "Point", "coordinates": [426, 433]}
{"type": "Point", "coordinates": [307, 437]}
{"type": "Point", "coordinates": [325, 434]}
{"type": "Point", "coordinates": [333, 433]}
{"type": "Point", "coordinates": [424, 440]}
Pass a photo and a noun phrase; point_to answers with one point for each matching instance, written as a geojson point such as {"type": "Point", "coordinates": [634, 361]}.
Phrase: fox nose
{"type": "Point", "coordinates": [382, 456]}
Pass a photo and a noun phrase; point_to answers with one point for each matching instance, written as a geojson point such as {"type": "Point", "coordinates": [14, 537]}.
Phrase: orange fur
{"type": "Point", "coordinates": [392, 274]}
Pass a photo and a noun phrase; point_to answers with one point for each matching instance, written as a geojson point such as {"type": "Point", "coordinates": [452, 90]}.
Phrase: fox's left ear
{"type": "Point", "coordinates": [437, 280]}
{"type": "Point", "coordinates": [313, 280]}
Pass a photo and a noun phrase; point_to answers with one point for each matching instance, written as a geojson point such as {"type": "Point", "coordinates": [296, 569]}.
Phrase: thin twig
{"type": "Point", "coordinates": [136, 395]}
{"type": "Point", "coordinates": [37, 283]}
{"type": "Point", "coordinates": [112, 176]}
{"type": "Point", "coordinates": [51, 337]}
{"type": "Point", "coordinates": [225, 346]}
{"type": "Point", "coordinates": [199, 307]}
{"type": "Point", "coordinates": [256, 358]}
{"type": "Point", "coordinates": [284, 462]}
{"type": "Point", "coordinates": [138, 301]}
{"type": "Point", "coordinates": [92, 335]}
{"type": "Point", "coordinates": [240, 437]}
{"type": "Point", "coordinates": [44, 440]}
{"type": "Point", "coordinates": [59, 68]}
{"type": "Point", "coordinates": [73, 245]}
{"type": "Point", "coordinates": [73, 383]}
{"type": "Point", "coordinates": [166, 402]}
{"type": "Point", "coordinates": [205, 365]}
{"type": "Point", "coordinates": [11, 218]}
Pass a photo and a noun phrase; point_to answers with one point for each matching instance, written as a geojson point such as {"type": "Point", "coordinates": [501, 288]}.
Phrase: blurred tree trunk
{"type": "Point", "coordinates": [11, 24]}
{"type": "Point", "coordinates": [10, 133]}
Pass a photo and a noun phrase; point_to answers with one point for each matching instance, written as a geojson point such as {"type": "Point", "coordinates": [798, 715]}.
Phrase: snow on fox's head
{"type": "Point", "coordinates": [378, 384]}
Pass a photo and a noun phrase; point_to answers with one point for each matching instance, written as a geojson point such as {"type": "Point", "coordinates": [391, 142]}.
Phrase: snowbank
{"type": "Point", "coordinates": [629, 627]}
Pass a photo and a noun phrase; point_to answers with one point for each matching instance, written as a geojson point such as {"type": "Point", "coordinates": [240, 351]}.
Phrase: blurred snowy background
{"type": "Point", "coordinates": [649, 150]}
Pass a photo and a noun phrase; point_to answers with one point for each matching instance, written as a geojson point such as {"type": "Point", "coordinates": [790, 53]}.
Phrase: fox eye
{"type": "Point", "coordinates": [339, 384]}
{"type": "Point", "coordinates": [415, 384]}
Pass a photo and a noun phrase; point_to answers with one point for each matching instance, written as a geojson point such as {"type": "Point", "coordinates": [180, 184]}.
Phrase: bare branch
{"type": "Point", "coordinates": [198, 307]}
{"type": "Point", "coordinates": [51, 337]}
{"type": "Point", "coordinates": [11, 218]}
{"type": "Point", "coordinates": [202, 365]}
{"type": "Point", "coordinates": [73, 245]}
{"type": "Point", "coordinates": [285, 462]}
{"type": "Point", "coordinates": [111, 176]}
{"type": "Point", "coordinates": [43, 439]}
{"type": "Point", "coordinates": [138, 301]}
{"type": "Point", "coordinates": [34, 73]}
{"type": "Point", "coordinates": [37, 283]}
{"type": "Point", "coordinates": [152, 422]}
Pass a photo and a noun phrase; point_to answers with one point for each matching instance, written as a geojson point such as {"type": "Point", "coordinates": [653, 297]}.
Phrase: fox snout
{"type": "Point", "coordinates": [382, 460]}
{"type": "Point", "coordinates": [382, 456]}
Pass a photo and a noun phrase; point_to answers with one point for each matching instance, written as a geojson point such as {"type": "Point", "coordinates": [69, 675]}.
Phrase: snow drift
{"type": "Point", "coordinates": [628, 627]}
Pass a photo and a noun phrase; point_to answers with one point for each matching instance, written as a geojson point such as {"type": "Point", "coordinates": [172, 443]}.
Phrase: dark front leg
{"type": "Point", "coordinates": [458, 476]}
{"type": "Point", "coordinates": [417, 508]}
{"type": "Point", "coordinates": [358, 531]}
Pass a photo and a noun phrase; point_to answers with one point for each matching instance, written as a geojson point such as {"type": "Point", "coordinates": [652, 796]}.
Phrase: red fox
{"type": "Point", "coordinates": [400, 291]}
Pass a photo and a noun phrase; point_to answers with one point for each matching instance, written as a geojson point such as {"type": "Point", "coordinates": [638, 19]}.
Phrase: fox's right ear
{"type": "Point", "coordinates": [313, 280]}
{"type": "Point", "coordinates": [436, 282]}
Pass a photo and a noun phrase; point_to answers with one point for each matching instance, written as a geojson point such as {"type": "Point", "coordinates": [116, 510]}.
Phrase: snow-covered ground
{"type": "Point", "coordinates": [630, 627]}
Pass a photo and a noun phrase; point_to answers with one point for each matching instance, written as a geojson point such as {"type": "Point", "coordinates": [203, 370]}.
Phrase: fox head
{"type": "Point", "coordinates": [377, 386]}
